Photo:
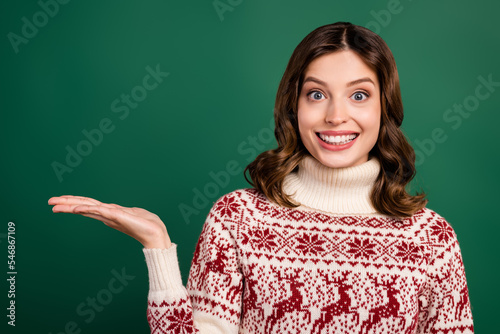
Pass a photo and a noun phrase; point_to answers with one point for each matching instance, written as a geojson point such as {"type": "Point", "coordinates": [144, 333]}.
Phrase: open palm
{"type": "Point", "coordinates": [140, 224]}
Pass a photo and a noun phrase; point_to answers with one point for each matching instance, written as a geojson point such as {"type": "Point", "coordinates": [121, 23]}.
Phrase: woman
{"type": "Point", "coordinates": [328, 240]}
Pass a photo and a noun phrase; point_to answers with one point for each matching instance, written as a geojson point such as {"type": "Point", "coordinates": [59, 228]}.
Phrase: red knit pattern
{"type": "Point", "coordinates": [261, 268]}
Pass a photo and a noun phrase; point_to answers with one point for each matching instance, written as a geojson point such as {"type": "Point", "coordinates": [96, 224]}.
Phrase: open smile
{"type": "Point", "coordinates": [337, 142]}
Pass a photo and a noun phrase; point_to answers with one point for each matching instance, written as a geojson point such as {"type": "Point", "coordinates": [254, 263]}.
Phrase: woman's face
{"type": "Point", "coordinates": [339, 109]}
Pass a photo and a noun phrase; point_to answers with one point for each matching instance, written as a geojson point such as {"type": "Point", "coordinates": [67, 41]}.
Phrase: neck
{"type": "Point", "coordinates": [333, 190]}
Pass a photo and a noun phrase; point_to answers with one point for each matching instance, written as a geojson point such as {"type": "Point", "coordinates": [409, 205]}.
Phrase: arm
{"type": "Point", "coordinates": [444, 304]}
{"type": "Point", "coordinates": [169, 308]}
{"type": "Point", "coordinates": [211, 301]}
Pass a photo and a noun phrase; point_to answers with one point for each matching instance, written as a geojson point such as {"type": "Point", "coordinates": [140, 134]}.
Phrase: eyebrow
{"type": "Point", "coordinates": [349, 84]}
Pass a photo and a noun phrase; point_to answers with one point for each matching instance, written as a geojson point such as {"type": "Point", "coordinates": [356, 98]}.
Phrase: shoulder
{"type": "Point", "coordinates": [433, 232]}
{"type": "Point", "coordinates": [243, 196]}
{"type": "Point", "coordinates": [242, 193]}
{"type": "Point", "coordinates": [432, 227]}
{"type": "Point", "coordinates": [237, 202]}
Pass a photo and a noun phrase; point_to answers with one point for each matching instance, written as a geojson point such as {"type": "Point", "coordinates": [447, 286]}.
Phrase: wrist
{"type": "Point", "coordinates": [162, 243]}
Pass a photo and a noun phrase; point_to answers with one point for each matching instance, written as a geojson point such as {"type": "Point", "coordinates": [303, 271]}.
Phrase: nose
{"type": "Point", "coordinates": [336, 113]}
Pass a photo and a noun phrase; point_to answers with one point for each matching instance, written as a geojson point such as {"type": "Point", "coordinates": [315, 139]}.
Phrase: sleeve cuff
{"type": "Point", "coordinates": [163, 268]}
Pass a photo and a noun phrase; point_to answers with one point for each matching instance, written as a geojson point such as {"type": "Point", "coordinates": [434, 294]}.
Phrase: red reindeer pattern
{"type": "Point", "coordinates": [216, 265]}
{"type": "Point", "coordinates": [463, 302]}
{"type": "Point", "coordinates": [285, 302]}
{"type": "Point", "coordinates": [390, 309]}
{"type": "Point", "coordinates": [459, 304]}
{"type": "Point", "coordinates": [338, 308]}
{"type": "Point", "coordinates": [252, 293]}
{"type": "Point", "coordinates": [291, 304]}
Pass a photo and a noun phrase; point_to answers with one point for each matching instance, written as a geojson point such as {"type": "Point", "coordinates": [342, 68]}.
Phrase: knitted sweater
{"type": "Point", "coordinates": [331, 265]}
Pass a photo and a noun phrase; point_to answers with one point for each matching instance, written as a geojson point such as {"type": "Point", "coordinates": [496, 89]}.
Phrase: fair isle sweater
{"type": "Point", "coordinates": [331, 265]}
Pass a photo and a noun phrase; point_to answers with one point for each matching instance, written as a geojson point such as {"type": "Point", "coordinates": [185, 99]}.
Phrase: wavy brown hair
{"type": "Point", "coordinates": [396, 156]}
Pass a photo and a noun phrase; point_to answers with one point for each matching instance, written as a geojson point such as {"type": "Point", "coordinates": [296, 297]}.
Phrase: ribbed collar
{"type": "Point", "coordinates": [334, 190]}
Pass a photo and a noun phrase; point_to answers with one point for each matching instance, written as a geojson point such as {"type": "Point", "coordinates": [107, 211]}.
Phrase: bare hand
{"type": "Point", "coordinates": [140, 224]}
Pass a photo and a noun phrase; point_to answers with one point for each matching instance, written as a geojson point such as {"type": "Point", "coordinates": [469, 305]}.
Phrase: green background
{"type": "Point", "coordinates": [224, 72]}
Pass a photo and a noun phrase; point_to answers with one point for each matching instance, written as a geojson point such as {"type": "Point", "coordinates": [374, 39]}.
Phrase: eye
{"type": "Point", "coordinates": [316, 95]}
{"type": "Point", "coordinates": [359, 96]}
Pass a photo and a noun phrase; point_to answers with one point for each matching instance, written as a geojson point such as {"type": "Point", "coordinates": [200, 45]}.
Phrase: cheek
{"type": "Point", "coordinates": [370, 121]}
{"type": "Point", "coordinates": [307, 115]}
{"type": "Point", "coordinates": [372, 126]}
{"type": "Point", "coordinates": [303, 119]}
{"type": "Point", "coordinates": [305, 124]}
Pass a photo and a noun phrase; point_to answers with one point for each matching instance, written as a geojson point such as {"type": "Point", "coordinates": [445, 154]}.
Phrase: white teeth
{"type": "Point", "coordinates": [337, 140]}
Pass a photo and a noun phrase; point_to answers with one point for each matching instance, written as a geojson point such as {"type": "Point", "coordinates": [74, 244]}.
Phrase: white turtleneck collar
{"type": "Point", "coordinates": [333, 190]}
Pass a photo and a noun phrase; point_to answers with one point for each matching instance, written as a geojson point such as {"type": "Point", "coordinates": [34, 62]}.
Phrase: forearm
{"type": "Point", "coordinates": [169, 305]}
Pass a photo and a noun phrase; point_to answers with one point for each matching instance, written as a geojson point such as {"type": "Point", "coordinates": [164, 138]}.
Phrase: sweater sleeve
{"type": "Point", "coordinates": [444, 304]}
{"type": "Point", "coordinates": [211, 300]}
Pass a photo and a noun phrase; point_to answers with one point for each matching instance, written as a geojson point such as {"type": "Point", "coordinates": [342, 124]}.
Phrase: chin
{"type": "Point", "coordinates": [340, 162]}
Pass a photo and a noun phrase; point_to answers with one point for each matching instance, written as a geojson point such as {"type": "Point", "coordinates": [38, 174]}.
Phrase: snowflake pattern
{"type": "Point", "coordinates": [310, 244]}
{"type": "Point", "coordinates": [407, 251]}
{"type": "Point", "coordinates": [379, 257]}
{"type": "Point", "coordinates": [361, 248]}
{"type": "Point", "coordinates": [180, 321]}
{"type": "Point", "coordinates": [442, 230]}
{"type": "Point", "coordinates": [262, 239]}
{"type": "Point", "coordinates": [227, 206]}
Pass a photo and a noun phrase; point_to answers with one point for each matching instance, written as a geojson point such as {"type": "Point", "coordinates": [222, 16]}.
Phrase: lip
{"type": "Point", "coordinates": [332, 147]}
{"type": "Point", "coordinates": [338, 133]}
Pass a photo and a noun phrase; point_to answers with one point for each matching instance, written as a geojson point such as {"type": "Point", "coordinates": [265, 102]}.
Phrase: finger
{"type": "Point", "coordinates": [62, 208]}
{"type": "Point", "coordinates": [70, 208]}
{"type": "Point", "coordinates": [113, 214]}
{"type": "Point", "coordinates": [115, 218]}
{"type": "Point", "coordinates": [79, 200]}
{"type": "Point", "coordinates": [68, 199]}
{"type": "Point", "coordinates": [81, 197]}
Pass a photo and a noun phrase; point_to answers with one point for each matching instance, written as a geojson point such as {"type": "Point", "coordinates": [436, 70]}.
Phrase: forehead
{"type": "Point", "coordinates": [340, 67]}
